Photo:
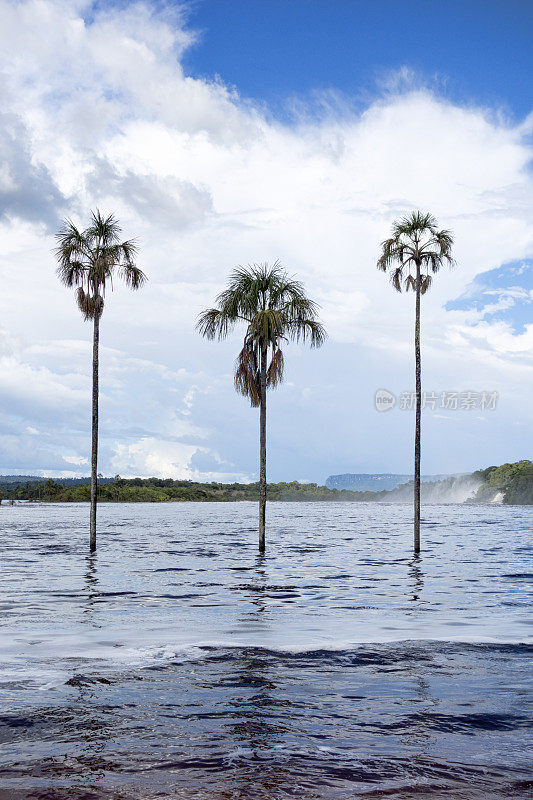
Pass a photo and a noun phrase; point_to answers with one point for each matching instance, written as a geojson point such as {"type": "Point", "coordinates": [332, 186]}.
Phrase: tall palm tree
{"type": "Point", "coordinates": [274, 309]}
{"type": "Point", "coordinates": [415, 250]}
{"type": "Point", "coordinates": [90, 259]}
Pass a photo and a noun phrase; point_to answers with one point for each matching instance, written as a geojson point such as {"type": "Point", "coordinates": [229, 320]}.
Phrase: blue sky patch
{"type": "Point", "coordinates": [471, 52]}
{"type": "Point", "coordinates": [503, 294]}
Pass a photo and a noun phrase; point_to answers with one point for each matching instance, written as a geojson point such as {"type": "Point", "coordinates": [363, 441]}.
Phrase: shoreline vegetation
{"type": "Point", "coordinates": [508, 484]}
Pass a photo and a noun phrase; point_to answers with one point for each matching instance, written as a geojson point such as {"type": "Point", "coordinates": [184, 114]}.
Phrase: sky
{"type": "Point", "coordinates": [227, 132]}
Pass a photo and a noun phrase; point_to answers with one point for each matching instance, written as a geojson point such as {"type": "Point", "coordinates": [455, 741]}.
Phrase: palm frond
{"type": "Point", "coordinates": [299, 308]}
{"type": "Point", "coordinates": [415, 241]}
{"type": "Point", "coordinates": [267, 326]}
{"type": "Point", "coordinates": [91, 306]}
{"type": "Point", "coordinates": [284, 289]}
{"type": "Point", "coordinates": [275, 308]}
{"type": "Point", "coordinates": [132, 276]}
{"type": "Point", "coordinates": [71, 253]}
{"type": "Point", "coordinates": [307, 331]}
{"type": "Point", "coordinates": [214, 324]}
{"type": "Point", "coordinates": [104, 230]}
{"type": "Point", "coordinates": [425, 283]}
{"type": "Point", "coordinates": [130, 250]}
{"type": "Point", "coordinates": [410, 283]}
{"type": "Point", "coordinates": [432, 260]}
{"type": "Point", "coordinates": [91, 258]}
{"type": "Point", "coordinates": [247, 377]}
{"type": "Point", "coordinates": [414, 223]}
{"type": "Point", "coordinates": [388, 254]}
{"type": "Point", "coordinates": [396, 278]}
{"type": "Point", "coordinates": [275, 369]}
{"type": "Point", "coordinates": [71, 273]}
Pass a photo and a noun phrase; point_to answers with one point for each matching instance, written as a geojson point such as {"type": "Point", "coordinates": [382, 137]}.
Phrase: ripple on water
{"type": "Point", "coordinates": [177, 662]}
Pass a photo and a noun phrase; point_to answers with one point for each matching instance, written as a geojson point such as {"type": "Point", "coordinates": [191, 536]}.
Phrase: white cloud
{"type": "Point", "coordinates": [106, 116]}
{"type": "Point", "coordinates": [159, 459]}
{"type": "Point", "coordinates": [77, 460]}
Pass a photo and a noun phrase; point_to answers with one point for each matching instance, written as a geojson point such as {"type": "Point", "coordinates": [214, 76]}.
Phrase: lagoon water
{"type": "Point", "coordinates": [178, 663]}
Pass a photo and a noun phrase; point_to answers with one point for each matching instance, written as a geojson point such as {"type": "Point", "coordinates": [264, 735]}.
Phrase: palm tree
{"type": "Point", "coordinates": [90, 259]}
{"type": "Point", "coordinates": [415, 250]}
{"type": "Point", "coordinates": [274, 309]}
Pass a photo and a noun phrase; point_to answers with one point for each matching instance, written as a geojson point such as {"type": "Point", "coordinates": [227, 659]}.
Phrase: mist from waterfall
{"type": "Point", "coordinates": [457, 489]}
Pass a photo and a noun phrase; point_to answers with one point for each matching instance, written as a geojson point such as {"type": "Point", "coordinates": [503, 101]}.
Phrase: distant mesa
{"type": "Point", "coordinates": [363, 482]}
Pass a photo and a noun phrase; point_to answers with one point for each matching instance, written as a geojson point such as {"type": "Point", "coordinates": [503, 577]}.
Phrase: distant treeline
{"type": "Point", "coordinates": [510, 483]}
{"type": "Point", "coordinates": [159, 490]}
{"type": "Point", "coordinates": [21, 480]}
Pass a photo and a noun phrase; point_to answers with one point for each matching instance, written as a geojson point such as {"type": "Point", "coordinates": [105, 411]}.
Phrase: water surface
{"type": "Point", "coordinates": [177, 662]}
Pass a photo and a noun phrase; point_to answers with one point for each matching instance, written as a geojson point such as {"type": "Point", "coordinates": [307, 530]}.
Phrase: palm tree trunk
{"type": "Point", "coordinates": [94, 433]}
{"type": "Point", "coordinates": [262, 450]}
{"type": "Point", "coordinates": [418, 415]}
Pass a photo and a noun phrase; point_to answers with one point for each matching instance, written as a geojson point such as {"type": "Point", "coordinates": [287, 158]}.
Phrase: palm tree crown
{"type": "Point", "coordinates": [275, 310]}
{"type": "Point", "coordinates": [416, 244]}
{"type": "Point", "coordinates": [89, 259]}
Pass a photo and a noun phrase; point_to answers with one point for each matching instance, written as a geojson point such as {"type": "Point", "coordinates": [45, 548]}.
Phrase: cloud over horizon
{"type": "Point", "coordinates": [99, 112]}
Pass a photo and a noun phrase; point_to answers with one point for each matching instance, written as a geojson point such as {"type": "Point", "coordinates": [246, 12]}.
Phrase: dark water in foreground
{"type": "Point", "coordinates": [178, 663]}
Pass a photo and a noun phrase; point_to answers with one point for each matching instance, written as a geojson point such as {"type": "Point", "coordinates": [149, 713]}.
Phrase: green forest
{"type": "Point", "coordinates": [159, 490]}
{"type": "Point", "coordinates": [514, 481]}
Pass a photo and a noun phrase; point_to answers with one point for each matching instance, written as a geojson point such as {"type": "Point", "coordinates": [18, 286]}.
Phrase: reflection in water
{"type": "Point", "coordinates": [258, 710]}
{"type": "Point", "coordinates": [418, 730]}
{"type": "Point", "coordinates": [258, 723]}
{"type": "Point", "coordinates": [254, 613]}
{"type": "Point", "coordinates": [257, 597]}
{"type": "Point", "coordinates": [417, 577]}
{"type": "Point", "coordinates": [91, 590]}
{"type": "Point", "coordinates": [90, 763]}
